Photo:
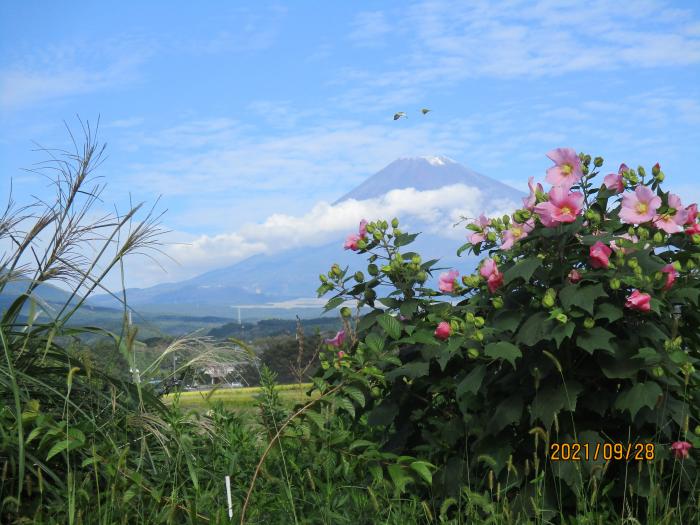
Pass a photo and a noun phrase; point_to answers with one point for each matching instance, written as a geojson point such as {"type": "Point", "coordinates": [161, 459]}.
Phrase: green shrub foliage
{"type": "Point", "coordinates": [580, 325]}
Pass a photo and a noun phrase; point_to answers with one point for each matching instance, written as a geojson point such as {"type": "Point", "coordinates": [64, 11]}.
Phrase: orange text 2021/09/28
{"type": "Point", "coordinates": [604, 451]}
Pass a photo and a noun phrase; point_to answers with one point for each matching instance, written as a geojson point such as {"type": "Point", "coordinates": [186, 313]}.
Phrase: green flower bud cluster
{"type": "Point", "coordinates": [549, 298]}
{"type": "Point", "coordinates": [630, 176]}
{"type": "Point", "coordinates": [671, 345]}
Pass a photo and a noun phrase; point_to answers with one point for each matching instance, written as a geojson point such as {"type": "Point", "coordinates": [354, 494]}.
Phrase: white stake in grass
{"type": "Point", "coordinates": [228, 497]}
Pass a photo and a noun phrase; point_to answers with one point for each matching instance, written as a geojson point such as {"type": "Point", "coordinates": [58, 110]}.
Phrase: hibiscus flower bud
{"type": "Point", "coordinates": [377, 235]}
{"type": "Point", "coordinates": [397, 232]}
{"type": "Point", "coordinates": [632, 263]}
{"type": "Point", "coordinates": [359, 277]}
{"type": "Point", "coordinates": [598, 162]}
{"type": "Point", "coordinates": [394, 223]}
{"type": "Point", "coordinates": [562, 318]}
{"type": "Point", "coordinates": [491, 236]}
{"type": "Point", "coordinates": [478, 335]}
{"type": "Point", "coordinates": [642, 172]}
{"type": "Point", "coordinates": [479, 322]}
{"type": "Point", "coordinates": [695, 238]}
{"type": "Point", "coordinates": [370, 295]}
{"type": "Point", "coordinates": [422, 276]}
{"type": "Point", "coordinates": [506, 220]}
{"type": "Point", "coordinates": [584, 169]}
{"type": "Point", "coordinates": [589, 322]}
{"type": "Point", "coordinates": [677, 265]}
{"type": "Point", "coordinates": [416, 259]}
{"type": "Point", "coordinates": [642, 233]}
{"type": "Point", "coordinates": [345, 312]}
{"type": "Point", "coordinates": [615, 284]}
{"type": "Point", "coordinates": [376, 392]}
{"type": "Point", "coordinates": [335, 270]}
{"type": "Point", "coordinates": [369, 228]}
{"type": "Point", "coordinates": [362, 244]}
{"type": "Point", "coordinates": [660, 177]}
{"type": "Point", "coordinates": [372, 269]}
{"type": "Point", "coordinates": [656, 169]}
{"type": "Point", "coordinates": [657, 371]}
{"type": "Point", "coordinates": [690, 264]}
{"type": "Point", "coordinates": [548, 301]}
{"type": "Point", "coordinates": [497, 302]}
{"type": "Point", "coordinates": [658, 238]}
{"type": "Point", "coordinates": [323, 278]}
{"type": "Point", "coordinates": [586, 159]}
{"type": "Point", "coordinates": [473, 353]}
{"type": "Point", "coordinates": [697, 430]}
{"type": "Point", "coordinates": [443, 330]}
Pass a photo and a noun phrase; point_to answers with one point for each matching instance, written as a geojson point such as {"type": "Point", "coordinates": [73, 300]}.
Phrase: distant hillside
{"type": "Point", "coordinates": [274, 327]}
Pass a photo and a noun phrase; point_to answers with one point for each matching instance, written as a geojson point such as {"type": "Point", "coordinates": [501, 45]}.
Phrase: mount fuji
{"type": "Point", "coordinates": [287, 280]}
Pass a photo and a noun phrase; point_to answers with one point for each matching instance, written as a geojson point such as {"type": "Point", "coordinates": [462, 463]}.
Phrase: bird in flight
{"type": "Point", "coordinates": [402, 114]}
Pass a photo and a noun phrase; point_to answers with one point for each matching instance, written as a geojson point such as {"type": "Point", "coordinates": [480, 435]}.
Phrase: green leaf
{"type": "Point", "coordinates": [649, 355]}
{"type": "Point", "coordinates": [316, 418]}
{"type": "Point", "coordinates": [368, 320]}
{"type": "Point", "coordinates": [404, 239]}
{"type": "Point", "coordinates": [619, 367]}
{"type": "Point", "coordinates": [523, 269]}
{"type": "Point", "coordinates": [562, 331]}
{"type": "Point", "coordinates": [383, 414]}
{"type": "Point", "coordinates": [506, 320]}
{"type": "Point", "coordinates": [391, 325]}
{"type": "Point", "coordinates": [375, 342]}
{"type": "Point", "coordinates": [453, 346]}
{"type": "Point", "coordinates": [409, 307]}
{"type": "Point", "coordinates": [333, 303]}
{"type": "Point", "coordinates": [503, 350]}
{"type": "Point", "coordinates": [552, 399]}
{"type": "Point", "coordinates": [581, 296]}
{"type": "Point", "coordinates": [640, 395]}
{"type": "Point", "coordinates": [399, 477]}
{"type": "Point", "coordinates": [58, 447]}
{"type": "Point", "coordinates": [356, 395]}
{"type": "Point", "coordinates": [410, 370]}
{"type": "Point", "coordinates": [690, 294]}
{"type": "Point", "coordinates": [360, 443]}
{"type": "Point", "coordinates": [390, 302]}
{"type": "Point", "coordinates": [423, 470]}
{"type": "Point", "coordinates": [471, 382]}
{"type": "Point", "coordinates": [608, 311]}
{"type": "Point", "coordinates": [424, 337]}
{"type": "Point", "coordinates": [508, 411]}
{"type": "Point", "coordinates": [345, 404]}
{"type": "Point", "coordinates": [595, 338]}
{"type": "Point", "coordinates": [536, 328]}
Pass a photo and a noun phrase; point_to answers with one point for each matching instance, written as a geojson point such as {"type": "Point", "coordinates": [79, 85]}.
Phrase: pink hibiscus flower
{"type": "Point", "coordinates": [530, 201]}
{"type": "Point", "coordinates": [614, 182]}
{"type": "Point", "coordinates": [561, 207]}
{"type": "Point", "coordinates": [627, 236]}
{"type": "Point", "coordinates": [680, 449]}
{"type": "Point", "coordinates": [337, 340]}
{"type": "Point", "coordinates": [693, 230]}
{"type": "Point", "coordinates": [640, 206]}
{"type": "Point", "coordinates": [671, 274]}
{"type": "Point", "coordinates": [599, 255]}
{"type": "Point", "coordinates": [352, 240]}
{"type": "Point", "coordinates": [567, 167]}
{"type": "Point", "coordinates": [574, 276]}
{"type": "Point", "coordinates": [483, 222]}
{"type": "Point", "coordinates": [516, 232]}
{"type": "Point", "coordinates": [692, 213]}
{"type": "Point", "coordinates": [674, 219]}
{"type": "Point", "coordinates": [443, 330]}
{"type": "Point", "coordinates": [494, 278]}
{"type": "Point", "coordinates": [446, 282]}
{"type": "Point", "coordinates": [638, 301]}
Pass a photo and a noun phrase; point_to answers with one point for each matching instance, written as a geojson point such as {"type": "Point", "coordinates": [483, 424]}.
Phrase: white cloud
{"type": "Point", "coordinates": [435, 211]}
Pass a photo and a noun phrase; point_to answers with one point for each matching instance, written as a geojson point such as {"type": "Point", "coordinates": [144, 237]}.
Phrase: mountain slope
{"type": "Point", "coordinates": [293, 274]}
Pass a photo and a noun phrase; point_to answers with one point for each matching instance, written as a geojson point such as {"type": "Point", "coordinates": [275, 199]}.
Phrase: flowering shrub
{"type": "Point", "coordinates": [581, 326]}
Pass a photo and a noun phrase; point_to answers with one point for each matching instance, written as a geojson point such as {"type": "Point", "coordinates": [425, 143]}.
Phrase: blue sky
{"type": "Point", "coordinates": [245, 116]}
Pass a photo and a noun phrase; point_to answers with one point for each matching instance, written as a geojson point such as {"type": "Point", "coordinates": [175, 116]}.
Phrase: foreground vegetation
{"type": "Point", "coordinates": [423, 411]}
